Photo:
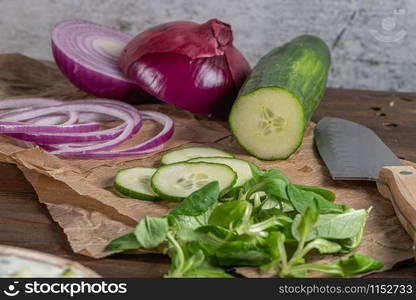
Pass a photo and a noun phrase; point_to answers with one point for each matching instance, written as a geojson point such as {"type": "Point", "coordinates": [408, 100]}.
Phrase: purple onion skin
{"type": "Point", "coordinates": [202, 85]}
{"type": "Point", "coordinates": [95, 83]}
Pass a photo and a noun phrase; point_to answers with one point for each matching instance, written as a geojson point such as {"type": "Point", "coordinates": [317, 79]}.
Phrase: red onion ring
{"type": "Point", "coordinates": [143, 148]}
{"type": "Point", "coordinates": [18, 127]}
{"type": "Point", "coordinates": [68, 140]}
{"type": "Point", "coordinates": [120, 114]}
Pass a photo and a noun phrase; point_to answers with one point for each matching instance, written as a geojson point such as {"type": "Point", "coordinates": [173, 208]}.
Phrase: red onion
{"type": "Point", "coordinates": [147, 147]}
{"type": "Point", "coordinates": [27, 104]}
{"type": "Point", "coordinates": [65, 119]}
{"type": "Point", "coordinates": [87, 54]}
{"type": "Point", "coordinates": [82, 140]}
{"type": "Point", "coordinates": [193, 66]}
{"type": "Point", "coordinates": [18, 127]}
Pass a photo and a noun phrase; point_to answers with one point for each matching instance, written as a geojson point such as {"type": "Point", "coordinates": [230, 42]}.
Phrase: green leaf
{"type": "Point", "coordinates": [272, 242]}
{"type": "Point", "coordinates": [334, 226]}
{"type": "Point", "coordinates": [199, 202]}
{"type": "Point", "coordinates": [274, 222]}
{"type": "Point", "coordinates": [195, 260]}
{"type": "Point", "coordinates": [124, 242]}
{"type": "Point", "coordinates": [350, 244]}
{"type": "Point", "coordinates": [216, 230]}
{"type": "Point", "coordinates": [300, 199]}
{"type": "Point", "coordinates": [203, 273]}
{"type": "Point", "coordinates": [151, 231]}
{"type": "Point", "coordinates": [260, 214]}
{"type": "Point", "coordinates": [230, 214]}
{"type": "Point", "coordinates": [272, 186]}
{"type": "Point", "coordinates": [272, 182]}
{"type": "Point", "coordinates": [327, 194]}
{"type": "Point", "coordinates": [210, 238]}
{"type": "Point", "coordinates": [256, 171]}
{"type": "Point", "coordinates": [304, 268]}
{"type": "Point", "coordinates": [323, 246]}
{"type": "Point", "coordinates": [306, 221]}
{"type": "Point", "coordinates": [275, 173]}
{"type": "Point", "coordinates": [195, 210]}
{"type": "Point", "coordinates": [239, 253]}
{"type": "Point", "coordinates": [357, 264]}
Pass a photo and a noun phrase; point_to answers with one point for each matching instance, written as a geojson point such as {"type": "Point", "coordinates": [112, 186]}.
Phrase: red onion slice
{"type": "Point", "coordinates": [165, 134]}
{"type": "Point", "coordinates": [26, 104]}
{"type": "Point", "coordinates": [150, 146]}
{"type": "Point", "coordinates": [87, 53]}
{"type": "Point", "coordinates": [60, 138]}
{"type": "Point", "coordinates": [126, 133]}
{"type": "Point", "coordinates": [69, 140]}
{"type": "Point", "coordinates": [68, 118]}
{"type": "Point", "coordinates": [18, 127]}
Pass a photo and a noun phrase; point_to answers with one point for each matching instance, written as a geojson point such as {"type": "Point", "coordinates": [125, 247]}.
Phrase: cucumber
{"type": "Point", "coordinates": [188, 153]}
{"type": "Point", "coordinates": [240, 167]}
{"type": "Point", "coordinates": [135, 183]}
{"type": "Point", "coordinates": [177, 181]}
{"type": "Point", "coordinates": [276, 103]}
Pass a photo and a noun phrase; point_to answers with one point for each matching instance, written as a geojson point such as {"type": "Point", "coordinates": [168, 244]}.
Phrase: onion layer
{"type": "Point", "coordinates": [87, 54]}
{"type": "Point", "coordinates": [82, 140]}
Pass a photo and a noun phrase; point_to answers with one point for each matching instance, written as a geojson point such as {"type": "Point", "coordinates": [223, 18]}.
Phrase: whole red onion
{"type": "Point", "coordinates": [193, 66]}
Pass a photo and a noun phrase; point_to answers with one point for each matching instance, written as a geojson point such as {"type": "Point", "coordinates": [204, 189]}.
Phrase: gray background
{"type": "Point", "coordinates": [373, 42]}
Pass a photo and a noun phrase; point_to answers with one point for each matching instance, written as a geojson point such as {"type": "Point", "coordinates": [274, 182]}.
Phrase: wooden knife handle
{"type": "Point", "coordinates": [398, 184]}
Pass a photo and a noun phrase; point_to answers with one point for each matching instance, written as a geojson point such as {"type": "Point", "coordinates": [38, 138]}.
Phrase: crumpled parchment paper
{"type": "Point", "coordinates": [79, 193]}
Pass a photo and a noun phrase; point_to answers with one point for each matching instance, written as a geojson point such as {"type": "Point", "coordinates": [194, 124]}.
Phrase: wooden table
{"type": "Point", "coordinates": [26, 223]}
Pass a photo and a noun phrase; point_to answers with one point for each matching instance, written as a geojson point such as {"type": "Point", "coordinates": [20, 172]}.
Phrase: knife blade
{"type": "Point", "coordinates": [354, 152]}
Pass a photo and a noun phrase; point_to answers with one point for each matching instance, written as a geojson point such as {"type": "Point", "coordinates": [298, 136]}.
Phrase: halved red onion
{"type": "Point", "coordinates": [88, 53]}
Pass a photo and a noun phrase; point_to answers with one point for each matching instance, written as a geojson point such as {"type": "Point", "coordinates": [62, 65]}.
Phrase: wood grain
{"type": "Point", "coordinates": [26, 223]}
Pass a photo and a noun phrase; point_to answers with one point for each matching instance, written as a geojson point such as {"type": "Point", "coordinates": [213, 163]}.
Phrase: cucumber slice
{"type": "Point", "coordinates": [188, 153]}
{"type": "Point", "coordinates": [177, 181]}
{"type": "Point", "coordinates": [240, 167]}
{"type": "Point", "coordinates": [135, 183]}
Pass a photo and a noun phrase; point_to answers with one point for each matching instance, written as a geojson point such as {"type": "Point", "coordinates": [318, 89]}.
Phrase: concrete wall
{"type": "Point", "coordinates": [373, 42]}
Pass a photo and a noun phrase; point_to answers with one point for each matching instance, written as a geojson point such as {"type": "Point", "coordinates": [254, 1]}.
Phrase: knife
{"type": "Point", "coordinates": [354, 152]}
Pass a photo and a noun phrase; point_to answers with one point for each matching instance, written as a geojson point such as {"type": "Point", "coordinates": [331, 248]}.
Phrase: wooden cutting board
{"type": "Point", "coordinates": [384, 237]}
{"type": "Point", "coordinates": [24, 222]}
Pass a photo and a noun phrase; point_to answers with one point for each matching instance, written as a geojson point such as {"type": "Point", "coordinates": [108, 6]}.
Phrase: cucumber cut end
{"type": "Point", "coordinates": [268, 123]}
{"type": "Point", "coordinates": [187, 153]}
